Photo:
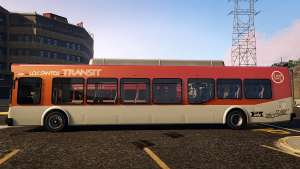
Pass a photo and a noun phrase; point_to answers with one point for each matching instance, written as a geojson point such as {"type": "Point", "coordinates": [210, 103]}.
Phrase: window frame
{"type": "Point", "coordinates": [117, 91]}
{"type": "Point", "coordinates": [214, 90]}
{"type": "Point", "coordinates": [181, 93]}
{"type": "Point", "coordinates": [40, 90]}
{"type": "Point", "coordinates": [245, 93]}
{"type": "Point", "coordinates": [149, 91]}
{"type": "Point", "coordinates": [83, 99]}
{"type": "Point", "coordinates": [217, 89]}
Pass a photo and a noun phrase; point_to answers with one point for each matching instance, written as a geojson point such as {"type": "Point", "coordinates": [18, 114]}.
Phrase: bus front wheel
{"type": "Point", "coordinates": [236, 119]}
{"type": "Point", "coordinates": [55, 121]}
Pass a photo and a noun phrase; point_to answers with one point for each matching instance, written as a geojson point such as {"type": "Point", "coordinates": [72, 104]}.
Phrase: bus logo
{"type": "Point", "coordinates": [66, 72]}
{"type": "Point", "coordinates": [81, 72]}
{"type": "Point", "coordinates": [277, 77]}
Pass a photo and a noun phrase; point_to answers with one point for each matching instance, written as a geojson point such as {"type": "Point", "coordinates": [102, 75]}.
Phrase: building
{"type": "Point", "coordinates": [104, 61]}
{"type": "Point", "coordinates": [35, 38]}
{"type": "Point", "coordinates": [296, 82]}
{"type": "Point", "coordinates": [47, 38]}
{"type": "Point", "coordinates": [294, 66]}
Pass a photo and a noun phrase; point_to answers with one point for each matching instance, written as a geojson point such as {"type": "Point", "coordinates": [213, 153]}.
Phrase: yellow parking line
{"type": "Point", "coordinates": [8, 156]}
{"type": "Point", "coordinates": [3, 113]}
{"type": "Point", "coordinates": [273, 131]}
{"type": "Point", "coordinates": [155, 158]}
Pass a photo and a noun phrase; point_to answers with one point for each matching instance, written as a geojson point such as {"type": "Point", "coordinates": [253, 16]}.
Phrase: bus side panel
{"type": "Point", "coordinates": [32, 115]}
{"type": "Point", "coordinates": [279, 110]}
{"type": "Point", "coordinates": [144, 114]}
{"type": "Point", "coordinates": [120, 114]}
{"type": "Point", "coordinates": [268, 112]}
{"type": "Point", "coordinates": [26, 115]}
{"type": "Point", "coordinates": [275, 111]}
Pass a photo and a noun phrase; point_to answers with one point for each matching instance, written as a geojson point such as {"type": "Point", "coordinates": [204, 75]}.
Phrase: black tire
{"type": "Point", "coordinates": [55, 121]}
{"type": "Point", "coordinates": [236, 120]}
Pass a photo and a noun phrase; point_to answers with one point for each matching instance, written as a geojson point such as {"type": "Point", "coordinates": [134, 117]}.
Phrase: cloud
{"type": "Point", "coordinates": [284, 45]}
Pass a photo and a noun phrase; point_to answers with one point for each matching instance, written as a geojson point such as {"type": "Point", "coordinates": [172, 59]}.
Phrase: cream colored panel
{"type": "Point", "coordinates": [279, 110]}
{"type": "Point", "coordinates": [144, 114]}
{"type": "Point", "coordinates": [275, 111]}
{"type": "Point", "coordinates": [26, 115]}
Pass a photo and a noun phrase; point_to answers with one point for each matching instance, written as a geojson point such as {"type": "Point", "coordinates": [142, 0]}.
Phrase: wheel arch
{"type": "Point", "coordinates": [231, 108]}
{"type": "Point", "coordinates": [57, 108]}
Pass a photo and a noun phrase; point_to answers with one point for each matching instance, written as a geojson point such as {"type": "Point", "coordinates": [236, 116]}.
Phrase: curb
{"type": "Point", "coordinates": [284, 144]}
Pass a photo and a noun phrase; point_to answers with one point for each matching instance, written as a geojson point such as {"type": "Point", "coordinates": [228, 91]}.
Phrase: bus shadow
{"type": "Point", "coordinates": [136, 127]}
{"type": "Point", "coordinates": [295, 124]}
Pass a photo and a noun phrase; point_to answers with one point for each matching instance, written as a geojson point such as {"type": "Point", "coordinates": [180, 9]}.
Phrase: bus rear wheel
{"type": "Point", "coordinates": [236, 120]}
{"type": "Point", "coordinates": [55, 121]}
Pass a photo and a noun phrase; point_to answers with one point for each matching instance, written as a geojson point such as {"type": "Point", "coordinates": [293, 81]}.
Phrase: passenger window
{"type": "Point", "coordinates": [229, 88]}
{"type": "Point", "coordinates": [167, 91]}
{"type": "Point", "coordinates": [135, 91]}
{"type": "Point", "coordinates": [102, 91]}
{"type": "Point", "coordinates": [258, 89]}
{"type": "Point", "coordinates": [201, 90]}
{"type": "Point", "coordinates": [67, 90]}
{"type": "Point", "coordinates": [29, 91]}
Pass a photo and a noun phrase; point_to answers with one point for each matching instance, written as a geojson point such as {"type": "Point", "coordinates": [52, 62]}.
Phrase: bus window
{"type": "Point", "coordinates": [167, 91]}
{"type": "Point", "coordinates": [229, 88]}
{"type": "Point", "coordinates": [258, 89]}
{"type": "Point", "coordinates": [201, 90]}
{"type": "Point", "coordinates": [29, 90]}
{"type": "Point", "coordinates": [135, 90]}
{"type": "Point", "coordinates": [67, 90]}
{"type": "Point", "coordinates": [101, 91]}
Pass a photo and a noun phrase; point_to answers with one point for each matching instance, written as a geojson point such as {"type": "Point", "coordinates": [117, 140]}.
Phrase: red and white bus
{"type": "Point", "coordinates": [56, 96]}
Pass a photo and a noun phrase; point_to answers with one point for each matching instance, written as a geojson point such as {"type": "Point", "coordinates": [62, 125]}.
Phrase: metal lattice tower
{"type": "Point", "coordinates": [243, 51]}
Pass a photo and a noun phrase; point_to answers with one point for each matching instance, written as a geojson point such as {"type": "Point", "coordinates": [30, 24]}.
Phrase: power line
{"type": "Point", "coordinates": [243, 51]}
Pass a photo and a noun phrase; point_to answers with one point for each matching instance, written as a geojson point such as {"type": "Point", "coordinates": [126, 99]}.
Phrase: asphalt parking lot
{"type": "Point", "coordinates": [191, 146]}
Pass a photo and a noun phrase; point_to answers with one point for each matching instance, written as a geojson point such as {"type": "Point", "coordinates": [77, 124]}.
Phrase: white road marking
{"type": "Point", "coordinates": [283, 144]}
{"type": "Point", "coordinates": [284, 128]}
{"type": "Point", "coordinates": [276, 149]}
{"type": "Point", "coordinates": [273, 131]}
{"type": "Point", "coordinates": [4, 127]}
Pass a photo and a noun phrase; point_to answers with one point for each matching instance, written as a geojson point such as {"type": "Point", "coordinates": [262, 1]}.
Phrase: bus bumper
{"type": "Point", "coordinates": [9, 121]}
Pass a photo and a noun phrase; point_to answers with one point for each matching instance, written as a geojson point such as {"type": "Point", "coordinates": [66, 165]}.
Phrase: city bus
{"type": "Point", "coordinates": [57, 96]}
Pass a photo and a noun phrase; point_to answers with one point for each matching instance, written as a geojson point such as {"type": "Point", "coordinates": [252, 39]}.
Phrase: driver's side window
{"type": "Point", "coordinates": [29, 91]}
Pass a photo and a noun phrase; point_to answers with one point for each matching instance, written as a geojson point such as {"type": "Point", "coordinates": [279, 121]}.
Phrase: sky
{"type": "Point", "coordinates": [175, 29]}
